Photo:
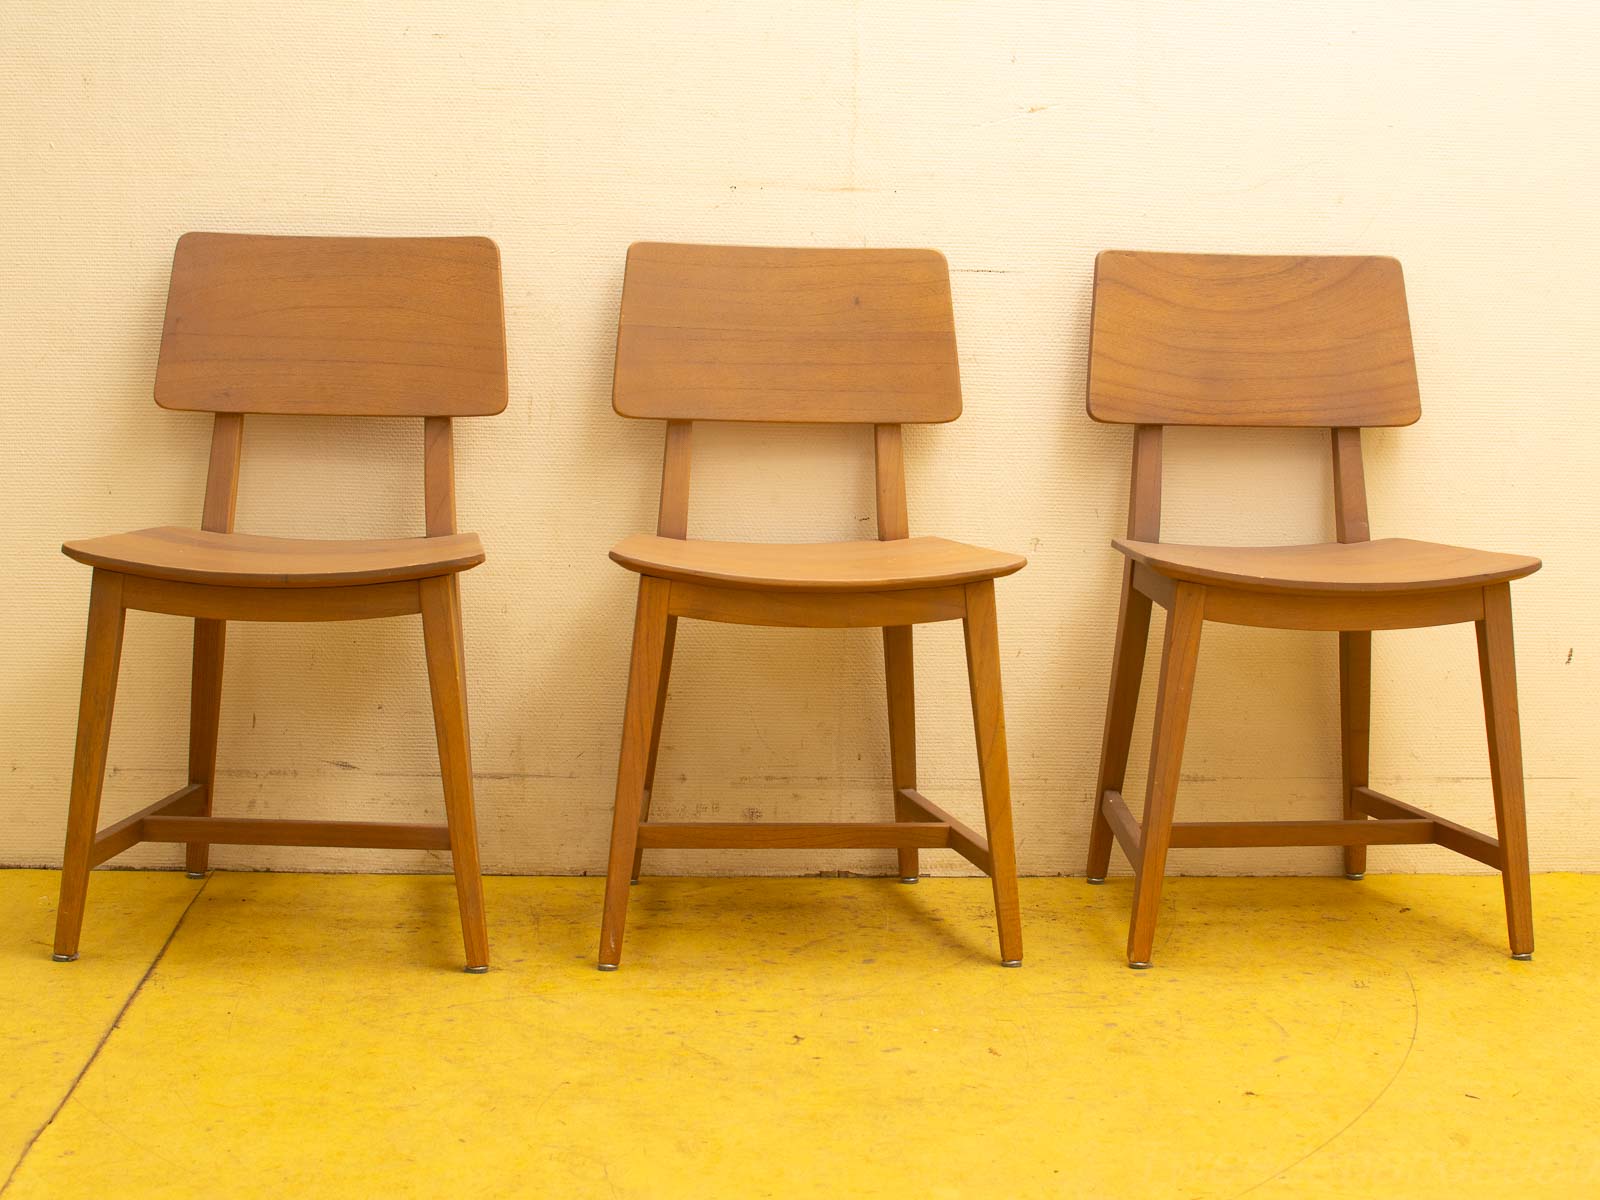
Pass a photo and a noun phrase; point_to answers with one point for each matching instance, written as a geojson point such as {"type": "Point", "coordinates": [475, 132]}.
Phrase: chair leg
{"type": "Point", "coordinates": [441, 635]}
{"type": "Point", "coordinates": [1127, 669]}
{"type": "Point", "coordinates": [638, 722]}
{"type": "Point", "coordinates": [900, 677]}
{"type": "Point", "coordinates": [205, 710]}
{"type": "Point", "coordinates": [1179, 656]}
{"type": "Point", "coordinates": [102, 654]}
{"type": "Point", "coordinates": [1498, 668]}
{"type": "Point", "coordinates": [1355, 733]}
{"type": "Point", "coordinates": [994, 774]}
{"type": "Point", "coordinates": [667, 644]}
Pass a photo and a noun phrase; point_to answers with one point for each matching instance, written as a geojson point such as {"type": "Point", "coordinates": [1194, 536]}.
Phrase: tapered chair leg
{"type": "Point", "coordinates": [1179, 656]}
{"type": "Point", "coordinates": [102, 654]}
{"type": "Point", "coordinates": [1127, 670]}
{"type": "Point", "coordinates": [441, 634]}
{"type": "Point", "coordinates": [994, 772]}
{"type": "Point", "coordinates": [1355, 733]}
{"type": "Point", "coordinates": [205, 711]}
{"type": "Point", "coordinates": [667, 644]}
{"type": "Point", "coordinates": [1498, 668]}
{"type": "Point", "coordinates": [900, 679]}
{"type": "Point", "coordinates": [638, 730]}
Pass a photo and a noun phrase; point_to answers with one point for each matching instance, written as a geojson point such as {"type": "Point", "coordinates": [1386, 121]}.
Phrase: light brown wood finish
{"type": "Point", "coordinates": [1355, 646]}
{"type": "Point", "coordinates": [747, 333]}
{"type": "Point", "coordinates": [1234, 339]}
{"type": "Point", "coordinates": [251, 560]}
{"type": "Point", "coordinates": [638, 715]}
{"type": "Point", "coordinates": [1128, 651]}
{"type": "Point", "coordinates": [399, 327]}
{"type": "Point", "coordinates": [1498, 670]}
{"type": "Point", "coordinates": [210, 636]}
{"type": "Point", "coordinates": [299, 325]}
{"type": "Point", "coordinates": [1388, 566]}
{"type": "Point", "coordinates": [899, 670]}
{"type": "Point", "coordinates": [815, 566]}
{"type": "Point", "coordinates": [864, 337]}
{"type": "Point", "coordinates": [672, 520]}
{"type": "Point", "coordinates": [102, 655]}
{"type": "Point", "coordinates": [982, 636]}
{"type": "Point", "coordinates": [1226, 340]}
{"type": "Point", "coordinates": [1179, 657]}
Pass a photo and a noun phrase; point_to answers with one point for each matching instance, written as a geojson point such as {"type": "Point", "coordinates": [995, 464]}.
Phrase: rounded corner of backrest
{"type": "Point", "coordinates": [620, 406]}
{"type": "Point", "coordinates": [499, 400]}
{"type": "Point", "coordinates": [1391, 276]}
{"type": "Point", "coordinates": [187, 243]}
{"type": "Point", "coordinates": [1101, 259]}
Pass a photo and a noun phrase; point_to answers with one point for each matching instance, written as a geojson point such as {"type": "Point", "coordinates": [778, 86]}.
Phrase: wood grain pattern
{"type": "Point", "coordinates": [102, 656]}
{"type": "Point", "coordinates": [1355, 731]}
{"type": "Point", "coordinates": [384, 327]}
{"type": "Point", "coordinates": [121, 835]}
{"type": "Point", "coordinates": [791, 609]}
{"type": "Point", "coordinates": [1340, 611]}
{"type": "Point", "coordinates": [447, 683]}
{"type": "Point", "coordinates": [792, 835]}
{"type": "Point", "coordinates": [393, 327]}
{"type": "Point", "coordinates": [638, 715]}
{"type": "Point", "coordinates": [815, 566]}
{"type": "Point", "coordinates": [1222, 339]}
{"type": "Point", "coordinates": [251, 560]}
{"type": "Point", "coordinates": [1349, 488]}
{"type": "Point", "coordinates": [211, 636]}
{"type": "Point", "coordinates": [981, 634]}
{"type": "Point", "coordinates": [1498, 672]}
{"type": "Point", "coordinates": [1388, 565]}
{"type": "Point", "coordinates": [1229, 340]}
{"type": "Point", "coordinates": [741, 333]}
{"type": "Point", "coordinates": [1179, 658]}
{"type": "Point", "coordinates": [248, 831]}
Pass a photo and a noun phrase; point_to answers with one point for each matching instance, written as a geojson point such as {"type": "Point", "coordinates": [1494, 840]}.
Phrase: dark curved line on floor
{"type": "Point", "coordinates": [1416, 1022]}
{"type": "Point", "coordinates": [104, 1038]}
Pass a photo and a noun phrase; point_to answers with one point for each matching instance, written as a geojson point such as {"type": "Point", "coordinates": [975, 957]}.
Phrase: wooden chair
{"type": "Point", "coordinates": [713, 333]}
{"type": "Point", "coordinates": [388, 327]}
{"type": "Point", "coordinates": [1194, 339]}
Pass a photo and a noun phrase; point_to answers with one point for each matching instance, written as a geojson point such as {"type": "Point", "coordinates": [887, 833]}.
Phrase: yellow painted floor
{"type": "Point", "coordinates": [303, 1035]}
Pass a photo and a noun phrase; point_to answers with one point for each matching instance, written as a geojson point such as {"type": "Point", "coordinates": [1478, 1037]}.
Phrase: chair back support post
{"type": "Point", "coordinates": [1349, 487]}
{"type": "Point", "coordinates": [438, 476]}
{"type": "Point", "coordinates": [889, 468]}
{"type": "Point", "coordinates": [222, 474]}
{"type": "Point", "coordinates": [1144, 487]}
{"type": "Point", "coordinates": [672, 518]}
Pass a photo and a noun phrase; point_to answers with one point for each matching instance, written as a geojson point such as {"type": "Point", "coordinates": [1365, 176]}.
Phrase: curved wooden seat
{"type": "Point", "coordinates": [1385, 566]}
{"type": "Point", "coordinates": [1285, 342]}
{"type": "Point", "coordinates": [250, 560]}
{"type": "Point", "coordinates": [897, 565]}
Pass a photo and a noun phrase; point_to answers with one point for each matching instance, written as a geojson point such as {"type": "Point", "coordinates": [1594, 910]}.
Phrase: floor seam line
{"type": "Point", "coordinates": [104, 1038]}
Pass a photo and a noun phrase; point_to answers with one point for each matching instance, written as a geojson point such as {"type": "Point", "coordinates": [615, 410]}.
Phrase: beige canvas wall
{"type": "Point", "coordinates": [1019, 139]}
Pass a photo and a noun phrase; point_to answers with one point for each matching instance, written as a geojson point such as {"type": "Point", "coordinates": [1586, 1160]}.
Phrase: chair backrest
{"type": "Point", "coordinates": [1230, 339]}
{"type": "Point", "coordinates": [743, 333]}
{"type": "Point", "coordinates": [387, 327]}
{"type": "Point", "coordinates": [748, 333]}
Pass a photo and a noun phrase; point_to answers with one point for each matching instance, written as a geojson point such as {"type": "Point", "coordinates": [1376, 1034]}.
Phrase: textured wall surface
{"type": "Point", "coordinates": [1017, 138]}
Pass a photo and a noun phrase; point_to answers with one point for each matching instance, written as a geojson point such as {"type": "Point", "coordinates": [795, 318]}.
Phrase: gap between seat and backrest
{"type": "Point", "coordinates": [1250, 340]}
{"type": "Point", "coordinates": [344, 326]}
{"type": "Point", "coordinates": [743, 333]}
